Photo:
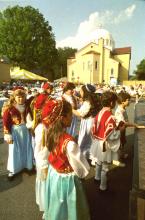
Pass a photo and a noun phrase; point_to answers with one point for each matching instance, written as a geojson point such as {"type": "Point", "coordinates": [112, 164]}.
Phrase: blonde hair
{"type": "Point", "coordinates": [11, 101]}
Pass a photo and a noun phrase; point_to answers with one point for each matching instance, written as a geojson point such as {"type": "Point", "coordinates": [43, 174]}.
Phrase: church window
{"type": "Point", "coordinates": [112, 71]}
{"type": "Point", "coordinates": [83, 66]}
{"type": "Point", "coordinates": [96, 65]}
{"type": "Point", "coordinates": [89, 65]}
{"type": "Point", "coordinates": [72, 73]}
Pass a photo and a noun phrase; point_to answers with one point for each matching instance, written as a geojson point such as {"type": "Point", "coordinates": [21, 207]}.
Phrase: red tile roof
{"type": "Point", "coordinates": [123, 50]}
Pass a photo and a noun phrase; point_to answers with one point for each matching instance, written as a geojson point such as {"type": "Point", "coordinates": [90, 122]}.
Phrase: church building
{"type": "Point", "coordinates": [98, 61]}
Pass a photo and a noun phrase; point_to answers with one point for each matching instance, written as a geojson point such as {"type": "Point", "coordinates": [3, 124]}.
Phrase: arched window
{"type": "Point", "coordinates": [112, 71]}
{"type": "Point", "coordinates": [83, 66]}
{"type": "Point", "coordinates": [89, 64]}
{"type": "Point", "coordinates": [107, 42]}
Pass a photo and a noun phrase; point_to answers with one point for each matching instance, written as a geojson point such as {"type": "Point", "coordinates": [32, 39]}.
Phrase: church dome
{"type": "Point", "coordinates": [101, 33]}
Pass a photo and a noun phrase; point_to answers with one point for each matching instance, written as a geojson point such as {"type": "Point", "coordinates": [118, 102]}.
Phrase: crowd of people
{"type": "Point", "coordinates": [60, 132]}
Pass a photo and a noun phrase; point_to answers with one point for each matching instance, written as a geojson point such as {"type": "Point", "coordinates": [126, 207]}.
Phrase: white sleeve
{"type": "Point", "coordinates": [40, 152]}
{"type": "Point", "coordinates": [119, 117]}
{"type": "Point", "coordinates": [77, 160]}
{"type": "Point", "coordinates": [84, 109]}
{"type": "Point", "coordinates": [29, 122]}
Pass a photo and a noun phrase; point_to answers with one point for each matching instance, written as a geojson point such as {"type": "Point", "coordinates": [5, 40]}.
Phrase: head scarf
{"type": "Point", "coordinates": [51, 112]}
{"type": "Point", "coordinates": [90, 88]}
{"type": "Point", "coordinates": [46, 86]}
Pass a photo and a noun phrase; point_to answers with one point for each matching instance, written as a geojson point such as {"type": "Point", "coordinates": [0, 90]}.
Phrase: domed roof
{"type": "Point", "coordinates": [101, 33]}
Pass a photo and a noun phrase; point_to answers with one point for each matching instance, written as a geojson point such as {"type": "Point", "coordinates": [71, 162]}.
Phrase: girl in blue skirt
{"type": "Point", "coordinates": [64, 197]}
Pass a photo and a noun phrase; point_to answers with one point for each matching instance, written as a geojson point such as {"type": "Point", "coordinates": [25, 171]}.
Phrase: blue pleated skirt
{"type": "Point", "coordinates": [65, 198]}
{"type": "Point", "coordinates": [20, 152]}
{"type": "Point", "coordinates": [72, 130]}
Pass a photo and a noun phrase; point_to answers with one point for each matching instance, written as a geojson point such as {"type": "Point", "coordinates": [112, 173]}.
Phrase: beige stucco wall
{"type": "Point", "coordinates": [110, 65]}
{"type": "Point", "coordinates": [113, 65]}
{"type": "Point", "coordinates": [124, 60]}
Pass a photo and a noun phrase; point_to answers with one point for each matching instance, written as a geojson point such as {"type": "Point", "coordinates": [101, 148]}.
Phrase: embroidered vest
{"type": "Point", "coordinates": [58, 158]}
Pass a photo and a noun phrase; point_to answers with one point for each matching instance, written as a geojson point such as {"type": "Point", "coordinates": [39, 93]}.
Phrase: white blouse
{"type": "Point", "coordinates": [84, 109]}
{"type": "Point", "coordinates": [77, 160]}
{"type": "Point", "coordinates": [40, 152]}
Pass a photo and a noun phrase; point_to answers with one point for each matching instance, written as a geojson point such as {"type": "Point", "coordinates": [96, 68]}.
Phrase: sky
{"type": "Point", "coordinates": [71, 20]}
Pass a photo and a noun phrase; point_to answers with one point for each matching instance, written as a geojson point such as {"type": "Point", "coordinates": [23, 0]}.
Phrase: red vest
{"type": "Point", "coordinates": [104, 124]}
{"type": "Point", "coordinates": [12, 116]}
{"type": "Point", "coordinates": [58, 158]}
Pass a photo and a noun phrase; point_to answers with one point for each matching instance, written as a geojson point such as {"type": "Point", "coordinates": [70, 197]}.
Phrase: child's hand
{"type": "Point", "coordinates": [44, 173]}
{"type": "Point", "coordinates": [9, 141]}
{"type": "Point", "coordinates": [121, 126]}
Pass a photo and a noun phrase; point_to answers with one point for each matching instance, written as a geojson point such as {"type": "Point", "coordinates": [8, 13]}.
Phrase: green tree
{"type": "Point", "coordinates": [27, 39]}
{"type": "Point", "coordinates": [63, 55]}
{"type": "Point", "coordinates": [140, 72]}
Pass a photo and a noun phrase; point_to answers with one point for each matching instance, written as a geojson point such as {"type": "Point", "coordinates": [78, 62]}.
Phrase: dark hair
{"type": "Point", "coordinates": [68, 86]}
{"type": "Point", "coordinates": [108, 98]}
{"type": "Point", "coordinates": [122, 97]}
{"type": "Point", "coordinates": [87, 94]}
{"type": "Point", "coordinates": [94, 100]}
{"type": "Point", "coordinates": [55, 132]}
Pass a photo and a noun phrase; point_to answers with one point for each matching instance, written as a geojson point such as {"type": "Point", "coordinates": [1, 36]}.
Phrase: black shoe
{"type": "Point", "coordinates": [103, 191]}
{"type": "Point", "coordinates": [11, 176]}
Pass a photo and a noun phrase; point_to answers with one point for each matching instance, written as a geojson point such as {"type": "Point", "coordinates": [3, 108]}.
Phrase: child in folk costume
{"type": "Point", "coordinates": [64, 197]}
{"type": "Point", "coordinates": [40, 150]}
{"type": "Point", "coordinates": [16, 119]}
{"type": "Point", "coordinates": [38, 102]}
{"type": "Point", "coordinates": [89, 108]}
{"type": "Point", "coordinates": [41, 162]}
{"type": "Point", "coordinates": [122, 117]}
{"type": "Point", "coordinates": [106, 138]}
{"type": "Point", "coordinates": [68, 91]}
{"type": "Point", "coordinates": [36, 105]}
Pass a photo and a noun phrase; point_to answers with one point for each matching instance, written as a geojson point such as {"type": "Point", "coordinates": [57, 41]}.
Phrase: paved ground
{"type": "Point", "coordinates": [17, 198]}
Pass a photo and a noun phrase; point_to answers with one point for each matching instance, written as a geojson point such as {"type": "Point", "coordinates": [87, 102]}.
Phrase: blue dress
{"type": "Point", "coordinates": [20, 152]}
{"type": "Point", "coordinates": [64, 196]}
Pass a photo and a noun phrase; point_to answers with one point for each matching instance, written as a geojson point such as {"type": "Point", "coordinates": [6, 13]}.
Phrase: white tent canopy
{"type": "Point", "coordinates": [21, 74]}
